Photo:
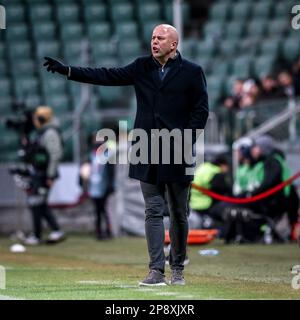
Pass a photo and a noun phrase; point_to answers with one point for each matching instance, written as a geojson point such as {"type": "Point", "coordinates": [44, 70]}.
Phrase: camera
{"type": "Point", "coordinates": [22, 122]}
{"type": "Point", "coordinates": [30, 172]}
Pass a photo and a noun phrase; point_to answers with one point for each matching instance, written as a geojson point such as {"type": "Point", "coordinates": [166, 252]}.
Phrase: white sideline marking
{"type": "Point", "coordinates": [166, 293]}
{"type": "Point", "coordinates": [187, 296]}
{"type": "Point", "coordinates": [101, 282]}
{"type": "Point", "coordinates": [45, 268]}
{"type": "Point", "coordinates": [9, 298]}
{"type": "Point", "coordinates": [125, 286]}
{"type": "Point", "coordinates": [146, 289]}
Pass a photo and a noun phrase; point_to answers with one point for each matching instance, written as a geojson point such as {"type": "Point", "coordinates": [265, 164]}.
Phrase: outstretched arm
{"type": "Point", "coordinates": [102, 76]}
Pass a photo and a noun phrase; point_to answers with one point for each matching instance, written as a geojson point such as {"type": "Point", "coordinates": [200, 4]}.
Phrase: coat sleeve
{"type": "Point", "coordinates": [199, 100]}
{"type": "Point", "coordinates": [105, 76]}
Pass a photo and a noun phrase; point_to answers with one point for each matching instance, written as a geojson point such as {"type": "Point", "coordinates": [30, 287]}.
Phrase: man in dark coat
{"type": "Point", "coordinates": [171, 94]}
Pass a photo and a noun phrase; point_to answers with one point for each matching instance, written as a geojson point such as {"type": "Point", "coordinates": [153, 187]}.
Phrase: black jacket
{"type": "Point", "coordinates": [179, 101]}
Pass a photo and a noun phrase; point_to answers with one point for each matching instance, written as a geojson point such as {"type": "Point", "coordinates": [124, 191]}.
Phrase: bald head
{"type": "Point", "coordinates": [164, 42]}
{"type": "Point", "coordinates": [168, 30]}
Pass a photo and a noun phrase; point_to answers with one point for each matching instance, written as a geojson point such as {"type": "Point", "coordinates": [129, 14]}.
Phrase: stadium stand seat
{"type": "Point", "coordinates": [99, 31]}
{"type": "Point", "coordinates": [130, 47]}
{"type": "Point", "coordinates": [71, 49]}
{"type": "Point", "coordinates": [44, 31]}
{"type": "Point", "coordinates": [95, 12]}
{"type": "Point", "coordinates": [270, 46]}
{"type": "Point", "coordinates": [110, 95]}
{"type": "Point", "coordinates": [67, 13]}
{"type": "Point", "coordinates": [215, 89]}
{"type": "Point", "coordinates": [222, 68]}
{"type": "Point", "coordinates": [281, 9]}
{"type": "Point", "coordinates": [262, 9]}
{"type": "Point", "coordinates": [228, 47]}
{"type": "Point", "coordinates": [241, 66]}
{"type": "Point", "coordinates": [9, 141]}
{"type": "Point", "coordinates": [241, 10]}
{"type": "Point", "coordinates": [127, 29]}
{"type": "Point", "coordinates": [205, 63]}
{"type": "Point", "coordinates": [220, 11]}
{"type": "Point", "coordinates": [17, 32]}
{"type": "Point", "coordinates": [122, 12]}
{"type": "Point", "coordinates": [102, 49]}
{"type": "Point", "coordinates": [5, 87]}
{"type": "Point", "coordinates": [25, 66]}
{"type": "Point", "coordinates": [257, 27]}
{"type": "Point", "coordinates": [278, 26]}
{"type": "Point", "coordinates": [213, 29]}
{"type": "Point", "coordinates": [71, 31]}
{"type": "Point", "coordinates": [15, 13]}
{"type": "Point", "coordinates": [291, 49]}
{"type": "Point", "coordinates": [40, 12]}
{"type": "Point", "coordinates": [234, 29]}
{"type": "Point", "coordinates": [263, 65]}
{"type": "Point", "coordinates": [59, 102]}
{"type": "Point", "coordinates": [3, 68]}
{"type": "Point", "coordinates": [187, 48]}
{"type": "Point", "coordinates": [148, 12]}
{"type": "Point", "coordinates": [47, 48]}
{"type": "Point", "coordinates": [19, 50]}
{"type": "Point", "coordinates": [25, 86]}
{"type": "Point", "coordinates": [205, 48]}
{"type": "Point", "coordinates": [53, 86]}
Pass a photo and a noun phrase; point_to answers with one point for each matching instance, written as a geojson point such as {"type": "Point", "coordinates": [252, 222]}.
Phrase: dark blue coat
{"type": "Point", "coordinates": [179, 101]}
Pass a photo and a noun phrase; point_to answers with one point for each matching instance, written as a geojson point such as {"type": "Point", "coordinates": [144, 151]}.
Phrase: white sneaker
{"type": "Point", "coordinates": [55, 236]}
{"type": "Point", "coordinates": [32, 241]}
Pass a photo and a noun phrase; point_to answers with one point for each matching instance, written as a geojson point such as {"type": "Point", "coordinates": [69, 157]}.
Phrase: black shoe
{"type": "Point", "coordinates": [154, 278]}
{"type": "Point", "coordinates": [177, 278]}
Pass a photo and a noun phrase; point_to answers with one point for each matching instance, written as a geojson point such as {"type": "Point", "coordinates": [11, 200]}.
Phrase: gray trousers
{"type": "Point", "coordinates": [177, 197]}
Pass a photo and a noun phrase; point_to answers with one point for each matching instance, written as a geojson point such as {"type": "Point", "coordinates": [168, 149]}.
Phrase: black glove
{"type": "Point", "coordinates": [55, 66]}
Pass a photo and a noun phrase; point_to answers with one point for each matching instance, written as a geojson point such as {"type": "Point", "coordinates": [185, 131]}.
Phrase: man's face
{"type": "Point", "coordinates": [162, 42]}
{"type": "Point", "coordinates": [238, 87]}
{"type": "Point", "coordinates": [285, 79]}
{"type": "Point", "coordinates": [268, 83]}
{"type": "Point", "coordinates": [255, 152]}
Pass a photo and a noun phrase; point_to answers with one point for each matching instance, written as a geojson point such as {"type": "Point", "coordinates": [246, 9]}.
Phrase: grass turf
{"type": "Point", "coordinates": [83, 268]}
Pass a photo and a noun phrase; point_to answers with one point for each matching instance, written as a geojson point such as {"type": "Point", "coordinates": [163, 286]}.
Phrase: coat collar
{"type": "Point", "coordinates": [174, 70]}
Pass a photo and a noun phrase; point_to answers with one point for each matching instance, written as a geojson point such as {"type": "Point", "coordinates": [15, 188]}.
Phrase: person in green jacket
{"type": "Point", "coordinates": [243, 171]}
{"type": "Point", "coordinates": [213, 176]}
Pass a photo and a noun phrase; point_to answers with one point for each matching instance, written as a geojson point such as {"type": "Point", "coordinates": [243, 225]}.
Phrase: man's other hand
{"type": "Point", "coordinates": [55, 66]}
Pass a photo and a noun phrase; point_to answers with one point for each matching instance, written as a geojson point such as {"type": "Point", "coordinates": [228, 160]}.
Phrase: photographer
{"type": "Point", "coordinates": [45, 152]}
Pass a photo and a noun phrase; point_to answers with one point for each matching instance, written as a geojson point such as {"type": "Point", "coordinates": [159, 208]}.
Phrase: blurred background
{"type": "Point", "coordinates": [248, 49]}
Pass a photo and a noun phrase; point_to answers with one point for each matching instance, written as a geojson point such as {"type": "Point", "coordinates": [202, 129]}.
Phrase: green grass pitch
{"type": "Point", "coordinates": [83, 268]}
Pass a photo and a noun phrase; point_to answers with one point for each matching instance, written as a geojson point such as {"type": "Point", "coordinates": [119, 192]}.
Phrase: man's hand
{"type": "Point", "coordinates": [55, 66]}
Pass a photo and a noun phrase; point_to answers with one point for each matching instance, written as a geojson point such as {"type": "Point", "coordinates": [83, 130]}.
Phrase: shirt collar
{"type": "Point", "coordinates": [170, 60]}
